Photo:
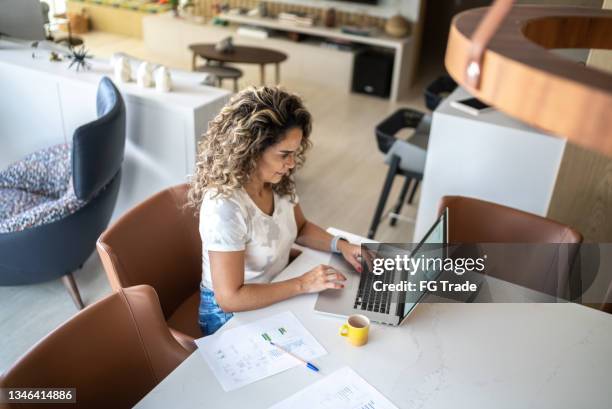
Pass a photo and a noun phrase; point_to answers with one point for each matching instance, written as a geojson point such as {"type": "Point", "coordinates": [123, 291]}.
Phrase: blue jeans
{"type": "Point", "coordinates": [211, 316]}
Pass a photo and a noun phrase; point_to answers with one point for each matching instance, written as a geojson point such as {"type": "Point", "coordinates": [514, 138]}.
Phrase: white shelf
{"type": "Point", "coordinates": [382, 8]}
{"type": "Point", "coordinates": [380, 41]}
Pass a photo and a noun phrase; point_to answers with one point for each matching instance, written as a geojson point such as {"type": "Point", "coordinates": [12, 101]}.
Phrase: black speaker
{"type": "Point", "coordinates": [372, 73]}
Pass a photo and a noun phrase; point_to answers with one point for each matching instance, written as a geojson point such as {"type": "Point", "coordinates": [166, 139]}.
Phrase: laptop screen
{"type": "Point", "coordinates": [433, 245]}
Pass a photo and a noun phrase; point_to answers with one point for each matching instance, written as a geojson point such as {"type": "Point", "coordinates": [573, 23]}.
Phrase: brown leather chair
{"type": "Point", "coordinates": [113, 352]}
{"type": "Point", "coordinates": [606, 306]}
{"type": "Point", "coordinates": [477, 221]}
{"type": "Point", "coordinates": [158, 243]}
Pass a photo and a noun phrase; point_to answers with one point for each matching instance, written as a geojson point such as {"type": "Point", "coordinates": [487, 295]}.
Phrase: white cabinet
{"type": "Point", "coordinates": [490, 157]}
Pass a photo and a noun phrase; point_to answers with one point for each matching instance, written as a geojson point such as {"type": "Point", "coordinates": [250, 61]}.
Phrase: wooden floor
{"type": "Point", "coordinates": [339, 186]}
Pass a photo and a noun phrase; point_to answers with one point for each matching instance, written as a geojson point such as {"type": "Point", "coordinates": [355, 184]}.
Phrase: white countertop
{"type": "Point", "coordinates": [186, 92]}
{"type": "Point", "coordinates": [445, 355]}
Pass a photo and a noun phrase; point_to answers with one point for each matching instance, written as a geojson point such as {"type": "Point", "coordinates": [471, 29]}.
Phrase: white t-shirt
{"type": "Point", "coordinates": [235, 223]}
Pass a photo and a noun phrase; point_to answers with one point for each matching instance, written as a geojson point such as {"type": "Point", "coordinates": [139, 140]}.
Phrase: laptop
{"type": "Point", "coordinates": [384, 307]}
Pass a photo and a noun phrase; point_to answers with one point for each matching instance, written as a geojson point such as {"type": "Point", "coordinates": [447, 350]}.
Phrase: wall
{"type": "Point", "coordinates": [602, 59]}
{"type": "Point", "coordinates": [438, 16]}
{"type": "Point", "coordinates": [56, 6]}
{"type": "Point", "coordinates": [582, 197]}
{"type": "Point", "coordinates": [439, 13]}
{"type": "Point", "coordinates": [583, 193]}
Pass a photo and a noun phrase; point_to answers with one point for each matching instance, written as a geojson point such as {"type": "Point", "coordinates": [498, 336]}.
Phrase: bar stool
{"type": "Point", "coordinates": [222, 72]}
{"type": "Point", "coordinates": [404, 157]}
{"type": "Point", "coordinates": [407, 157]}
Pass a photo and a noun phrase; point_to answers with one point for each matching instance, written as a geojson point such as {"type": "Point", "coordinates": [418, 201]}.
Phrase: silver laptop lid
{"type": "Point", "coordinates": [437, 234]}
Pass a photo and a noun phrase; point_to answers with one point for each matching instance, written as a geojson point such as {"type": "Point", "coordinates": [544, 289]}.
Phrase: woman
{"type": "Point", "coordinates": [249, 210]}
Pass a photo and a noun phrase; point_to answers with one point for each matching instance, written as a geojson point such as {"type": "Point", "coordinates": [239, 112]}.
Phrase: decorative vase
{"type": "Point", "coordinates": [144, 75]}
{"type": "Point", "coordinates": [263, 9]}
{"type": "Point", "coordinates": [163, 81]}
{"type": "Point", "coordinates": [225, 46]}
{"type": "Point", "coordinates": [210, 80]}
{"type": "Point", "coordinates": [329, 17]}
{"type": "Point", "coordinates": [122, 69]}
{"type": "Point", "coordinates": [397, 26]}
{"type": "Point", "coordinates": [113, 59]}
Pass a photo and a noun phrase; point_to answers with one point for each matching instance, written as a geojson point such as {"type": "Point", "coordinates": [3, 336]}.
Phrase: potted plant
{"type": "Point", "coordinates": [174, 4]}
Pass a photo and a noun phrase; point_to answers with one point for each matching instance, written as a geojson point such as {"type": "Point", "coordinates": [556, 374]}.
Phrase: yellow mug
{"type": "Point", "coordinates": [356, 329]}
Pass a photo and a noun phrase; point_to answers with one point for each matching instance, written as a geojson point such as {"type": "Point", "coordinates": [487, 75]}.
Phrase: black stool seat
{"type": "Point", "coordinates": [222, 72]}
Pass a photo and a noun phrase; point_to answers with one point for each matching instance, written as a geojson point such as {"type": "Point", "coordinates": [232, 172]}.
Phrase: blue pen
{"type": "Point", "coordinates": [308, 364]}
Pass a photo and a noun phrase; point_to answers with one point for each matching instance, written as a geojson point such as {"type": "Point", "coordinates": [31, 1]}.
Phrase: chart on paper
{"type": "Point", "coordinates": [343, 389]}
{"type": "Point", "coordinates": [243, 355]}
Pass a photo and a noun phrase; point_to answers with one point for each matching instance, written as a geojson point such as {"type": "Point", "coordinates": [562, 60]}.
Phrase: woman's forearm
{"type": "Point", "coordinates": [313, 236]}
{"type": "Point", "coordinates": [254, 296]}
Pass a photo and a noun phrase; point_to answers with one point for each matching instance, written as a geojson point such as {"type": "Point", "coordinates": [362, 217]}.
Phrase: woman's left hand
{"type": "Point", "coordinates": [351, 253]}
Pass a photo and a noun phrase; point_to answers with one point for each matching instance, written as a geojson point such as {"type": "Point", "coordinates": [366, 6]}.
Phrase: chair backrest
{"type": "Point", "coordinates": [98, 146]}
{"type": "Point", "coordinates": [478, 221]}
{"type": "Point", "coordinates": [156, 243]}
{"type": "Point", "coordinates": [113, 352]}
{"type": "Point", "coordinates": [606, 306]}
{"type": "Point", "coordinates": [473, 221]}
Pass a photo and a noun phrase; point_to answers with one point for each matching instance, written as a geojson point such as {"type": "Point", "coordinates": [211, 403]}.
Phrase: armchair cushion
{"type": "Point", "coordinates": [46, 172]}
{"type": "Point", "coordinates": [14, 201]}
{"type": "Point", "coordinates": [37, 190]}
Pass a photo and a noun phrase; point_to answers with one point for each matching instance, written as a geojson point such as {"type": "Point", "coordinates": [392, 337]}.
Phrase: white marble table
{"type": "Point", "coordinates": [43, 102]}
{"type": "Point", "coordinates": [445, 356]}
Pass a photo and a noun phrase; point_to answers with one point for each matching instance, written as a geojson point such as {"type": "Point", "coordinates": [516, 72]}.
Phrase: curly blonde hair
{"type": "Point", "coordinates": [248, 124]}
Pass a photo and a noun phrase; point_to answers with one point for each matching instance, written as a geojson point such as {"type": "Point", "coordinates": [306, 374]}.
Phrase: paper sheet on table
{"type": "Point", "coordinates": [343, 389]}
{"type": "Point", "coordinates": [243, 355]}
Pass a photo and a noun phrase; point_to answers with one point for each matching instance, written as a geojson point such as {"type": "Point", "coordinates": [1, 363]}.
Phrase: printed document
{"type": "Point", "coordinates": [343, 389]}
{"type": "Point", "coordinates": [243, 355]}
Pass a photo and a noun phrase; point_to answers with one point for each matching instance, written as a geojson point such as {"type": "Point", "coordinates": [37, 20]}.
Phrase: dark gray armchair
{"type": "Point", "coordinates": [55, 202]}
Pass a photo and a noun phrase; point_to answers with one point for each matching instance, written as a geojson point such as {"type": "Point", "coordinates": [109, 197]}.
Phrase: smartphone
{"type": "Point", "coordinates": [470, 106]}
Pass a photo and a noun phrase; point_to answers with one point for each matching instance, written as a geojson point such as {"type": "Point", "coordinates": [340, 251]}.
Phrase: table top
{"type": "Point", "coordinates": [445, 355]}
{"type": "Point", "coordinates": [241, 54]}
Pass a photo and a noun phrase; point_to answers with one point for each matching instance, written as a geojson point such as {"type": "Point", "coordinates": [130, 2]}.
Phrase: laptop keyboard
{"type": "Point", "coordinates": [375, 301]}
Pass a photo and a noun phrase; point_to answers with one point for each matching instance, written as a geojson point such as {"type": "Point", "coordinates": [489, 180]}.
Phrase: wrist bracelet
{"type": "Point", "coordinates": [334, 244]}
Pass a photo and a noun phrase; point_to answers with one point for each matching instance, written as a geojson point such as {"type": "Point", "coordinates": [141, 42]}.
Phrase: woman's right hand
{"type": "Point", "coordinates": [320, 278]}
